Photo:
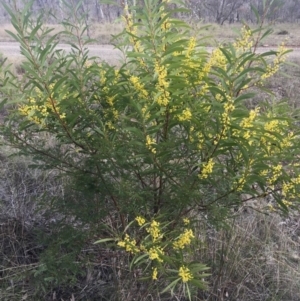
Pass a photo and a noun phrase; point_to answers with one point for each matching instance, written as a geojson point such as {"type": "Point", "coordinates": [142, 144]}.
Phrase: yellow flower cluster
{"type": "Point", "coordinates": [272, 125]}
{"type": "Point", "coordinates": [207, 169]}
{"type": "Point", "coordinates": [37, 110]}
{"type": "Point", "coordinates": [184, 239]}
{"type": "Point", "coordinates": [185, 115]}
{"type": "Point", "coordinates": [280, 127]}
{"type": "Point", "coordinates": [245, 42]}
{"type": "Point", "coordinates": [115, 114]}
{"type": "Point", "coordinates": [31, 109]}
{"type": "Point", "coordinates": [248, 122]}
{"type": "Point", "coordinates": [264, 173]}
{"type": "Point", "coordinates": [276, 173]}
{"type": "Point", "coordinates": [163, 95]}
{"type": "Point", "coordinates": [287, 141]}
{"type": "Point", "coordinates": [240, 183]}
{"type": "Point", "coordinates": [217, 59]}
{"type": "Point", "coordinates": [140, 220]}
{"type": "Point", "coordinates": [102, 76]}
{"type": "Point", "coordinates": [154, 230]}
{"type": "Point", "coordinates": [247, 126]}
{"type": "Point", "coordinates": [228, 108]}
{"type": "Point", "coordinates": [154, 249]}
{"type": "Point", "coordinates": [129, 244]}
{"type": "Point", "coordinates": [189, 62]}
{"type": "Point", "coordinates": [186, 221]}
{"type": "Point", "coordinates": [110, 125]}
{"type": "Point", "coordinates": [185, 274]}
{"type": "Point", "coordinates": [145, 112]}
{"type": "Point", "coordinates": [200, 138]}
{"type": "Point", "coordinates": [271, 208]}
{"type": "Point", "coordinates": [274, 66]}
{"type": "Point", "coordinates": [140, 88]}
{"type": "Point", "coordinates": [154, 274]}
{"type": "Point", "coordinates": [155, 253]}
{"type": "Point", "coordinates": [131, 28]}
{"type": "Point", "coordinates": [110, 100]}
{"type": "Point", "coordinates": [191, 46]}
{"type": "Point", "coordinates": [149, 144]}
{"type": "Point", "coordinates": [287, 203]}
{"type": "Point", "coordinates": [289, 188]}
{"type": "Point", "coordinates": [166, 24]}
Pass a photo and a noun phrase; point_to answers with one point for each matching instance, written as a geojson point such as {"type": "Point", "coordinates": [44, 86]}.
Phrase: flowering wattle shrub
{"type": "Point", "coordinates": [167, 138]}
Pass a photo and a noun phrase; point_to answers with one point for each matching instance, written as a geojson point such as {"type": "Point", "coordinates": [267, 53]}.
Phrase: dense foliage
{"type": "Point", "coordinates": [168, 139]}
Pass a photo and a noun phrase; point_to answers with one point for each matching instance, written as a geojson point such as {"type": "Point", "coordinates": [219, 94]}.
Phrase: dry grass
{"type": "Point", "coordinates": [287, 32]}
{"type": "Point", "coordinates": [256, 257]}
{"type": "Point", "coordinates": [102, 33]}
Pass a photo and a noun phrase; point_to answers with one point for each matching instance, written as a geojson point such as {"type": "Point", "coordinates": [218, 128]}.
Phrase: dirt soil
{"type": "Point", "coordinates": [107, 52]}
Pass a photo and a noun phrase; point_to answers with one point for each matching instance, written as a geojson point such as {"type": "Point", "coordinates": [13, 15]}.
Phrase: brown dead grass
{"type": "Point", "coordinates": [283, 32]}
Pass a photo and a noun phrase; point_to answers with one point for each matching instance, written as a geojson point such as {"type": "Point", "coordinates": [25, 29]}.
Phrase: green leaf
{"type": "Point", "coordinates": [135, 261]}
{"type": "Point", "coordinates": [171, 285]}
{"type": "Point", "coordinates": [256, 13]}
{"type": "Point", "coordinates": [103, 240]}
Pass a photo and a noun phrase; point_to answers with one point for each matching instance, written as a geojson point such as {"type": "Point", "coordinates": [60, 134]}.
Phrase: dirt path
{"type": "Point", "coordinates": [105, 52]}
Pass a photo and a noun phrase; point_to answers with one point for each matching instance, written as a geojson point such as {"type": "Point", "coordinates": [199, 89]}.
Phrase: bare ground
{"type": "Point", "coordinates": [108, 52]}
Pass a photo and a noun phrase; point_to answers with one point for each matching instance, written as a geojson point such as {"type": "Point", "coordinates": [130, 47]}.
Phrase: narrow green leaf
{"type": "Point", "coordinates": [170, 286]}
{"type": "Point", "coordinates": [103, 240]}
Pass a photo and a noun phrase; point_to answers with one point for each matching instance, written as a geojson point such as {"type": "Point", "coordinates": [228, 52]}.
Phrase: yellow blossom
{"type": "Point", "coordinates": [140, 220]}
{"type": "Point", "coordinates": [155, 253]}
{"type": "Point", "coordinates": [271, 207]}
{"type": "Point", "coordinates": [263, 173]}
{"type": "Point", "coordinates": [245, 42]}
{"type": "Point", "coordinates": [140, 88]}
{"type": "Point", "coordinates": [248, 122]}
{"type": "Point", "coordinates": [191, 46]}
{"type": "Point", "coordinates": [241, 183]}
{"type": "Point", "coordinates": [128, 244]}
{"type": "Point", "coordinates": [110, 100]}
{"type": "Point", "coordinates": [207, 169]}
{"type": "Point", "coordinates": [184, 239]}
{"type": "Point", "coordinates": [185, 274]}
{"type": "Point", "coordinates": [277, 171]}
{"type": "Point", "coordinates": [185, 115]}
{"type": "Point", "coordinates": [109, 125]}
{"type": "Point", "coordinates": [186, 221]}
{"type": "Point", "coordinates": [121, 244]}
{"type": "Point", "coordinates": [217, 59]}
{"type": "Point", "coordinates": [162, 96]}
{"type": "Point", "coordinates": [287, 141]}
{"type": "Point", "coordinates": [287, 203]}
{"type": "Point", "coordinates": [149, 143]}
{"type": "Point", "coordinates": [37, 109]}
{"type": "Point", "coordinates": [271, 125]}
{"type": "Point", "coordinates": [154, 230]}
{"type": "Point", "coordinates": [273, 67]}
{"type": "Point", "coordinates": [154, 274]}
